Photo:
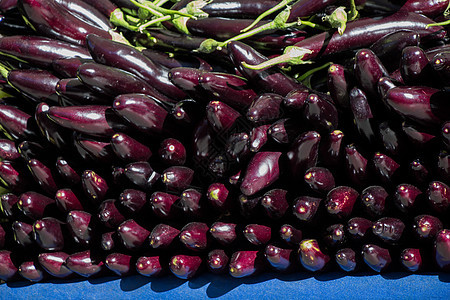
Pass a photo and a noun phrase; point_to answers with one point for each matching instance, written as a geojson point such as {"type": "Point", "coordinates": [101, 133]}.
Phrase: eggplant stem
{"type": "Point", "coordinates": [118, 18]}
{"type": "Point", "coordinates": [445, 23]}
{"type": "Point", "coordinates": [160, 2]}
{"type": "Point", "coordinates": [154, 21]}
{"type": "Point", "coordinates": [292, 55]}
{"type": "Point", "coordinates": [266, 13]}
{"type": "Point", "coordinates": [353, 13]}
{"type": "Point", "coordinates": [159, 11]}
{"type": "Point", "coordinates": [312, 71]}
{"type": "Point", "coordinates": [4, 71]}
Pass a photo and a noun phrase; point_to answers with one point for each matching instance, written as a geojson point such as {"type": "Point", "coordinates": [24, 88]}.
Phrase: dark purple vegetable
{"type": "Point", "coordinates": [119, 263]}
{"type": "Point", "coordinates": [262, 171]}
{"type": "Point", "coordinates": [108, 240]}
{"type": "Point", "coordinates": [368, 70]}
{"type": "Point", "coordinates": [109, 214]}
{"type": "Point", "coordinates": [23, 233]}
{"type": "Point", "coordinates": [335, 235]}
{"type": "Point", "coordinates": [33, 204]}
{"type": "Point", "coordinates": [43, 176]}
{"type": "Point", "coordinates": [257, 234]}
{"type": "Point", "coordinates": [68, 67]}
{"type": "Point", "coordinates": [346, 259]}
{"type": "Point", "coordinates": [177, 178]}
{"type": "Point", "coordinates": [31, 271]}
{"type": "Point", "coordinates": [94, 186]}
{"type": "Point", "coordinates": [303, 153]}
{"type": "Point", "coordinates": [415, 67]}
{"type": "Point", "coordinates": [162, 236]}
{"type": "Point", "coordinates": [275, 203]}
{"type": "Point", "coordinates": [185, 266]}
{"type": "Point", "coordinates": [48, 234]}
{"type": "Point", "coordinates": [311, 256]}
{"type": "Point", "coordinates": [224, 233]}
{"type": "Point", "coordinates": [8, 150]}
{"type": "Point", "coordinates": [305, 207]}
{"type": "Point", "coordinates": [66, 200]}
{"type": "Point", "coordinates": [375, 257]}
{"type": "Point", "coordinates": [280, 259]}
{"type": "Point", "coordinates": [244, 263]}
{"type": "Point", "coordinates": [284, 131]}
{"type": "Point", "coordinates": [430, 8]}
{"type": "Point", "coordinates": [163, 204]}
{"type": "Point", "coordinates": [8, 204]}
{"type": "Point", "coordinates": [190, 202]}
{"type": "Point", "coordinates": [388, 229]}
{"type": "Point", "coordinates": [340, 201]}
{"type": "Point", "coordinates": [306, 8]}
{"type": "Point", "coordinates": [194, 236]}
{"type": "Point", "coordinates": [374, 199]}
{"type": "Point", "coordinates": [442, 249]}
{"type": "Point", "coordinates": [338, 85]}
{"type": "Point", "coordinates": [7, 267]}
{"type": "Point", "coordinates": [83, 264]}
{"type": "Point", "coordinates": [142, 175]}
{"type": "Point", "coordinates": [321, 113]}
{"type": "Point", "coordinates": [87, 13]}
{"type": "Point", "coordinates": [221, 117]}
{"type": "Point", "coordinates": [149, 266]}
{"type": "Point", "coordinates": [238, 8]}
{"type": "Point", "coordinates": [133, 200]}
{"type": "Point", "coordinates": [265, 108]}
{"type": "Point", "coordinates": [426, 226]}
{"type": "Point", "coordinates": [411, 259]}
{"type": "Point", "coordinates": [258, 137]}
{"type": "Point", "coordinates": [290, 234]}
{"type": "Point", "coordinates": [129, 149]}
{"type": "Point", "coordinates": [319, 179]}
{"type": "Point", "coordinates": [53, 263]}
{"type": "Point", "coordinates": [172, 152]}
{"type": "Point", "coordinates": [362, 114]}
{"type": "Point", "coordinates": [217, 261]}
{"type": "Point", "coordinates": [405, 196]}
{"type": "Point", "coordinates": [358, 227]}
{"type": "Point", "coordinates": [132, 234]}
{"type": "Point", "coordinates": [72, 91]}
{"type": "Point", "coordinates": [15, 123]}
{"type": "Point", "coordinates": [385, 167]}
{"type": "Point", "coordinates": [438, 194]}
{"type": "Point", "coordinates": [13, 177]}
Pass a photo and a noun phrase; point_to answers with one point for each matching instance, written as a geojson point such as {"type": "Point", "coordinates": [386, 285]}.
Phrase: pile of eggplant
{"type": "Point", "coordinates": [225, 136]}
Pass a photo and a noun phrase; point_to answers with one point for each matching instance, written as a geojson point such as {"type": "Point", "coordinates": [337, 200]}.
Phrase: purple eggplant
{"type": "Point", "coordinates": [359, 227]}
{"type": "Point", "coordinates": [221, 117]}
{"type": "Point", "coordinates": [338, 85]}
{"type": "Point", "coordinates": [33, 204]}
{"type": "Point", "coordinates": [177, 178]}
{"type": "Point", "coordinates": [66, 172]}
{"type": "Point", "coordinates": [290, 234]}
{"type": "Point", "coordinates": [258, 137]}
{"type": "Point", "coordinates": [163, 204]}
{"type": "Point", "coordinates": [374, 199]}
{"type": "Point", "coordinates": [244, 263]}
{"type": "Point", "coordinates": [305, 207]}
{"type": "Point", "coordinates": [321, 113]}
{"type": "Point", "coordinates": [319, 179]}
{"type": "Point", "coordinates": [346, 259]}
{"type": "Point", "coordinates": [149, 266]}
{"type": "Point", "coordinates": [415, 67]}
{"type": "Point", "coordinates": [385, 167]}
{"type": "Point", "coordinates": [172, 152]}
{"type": "Point", "coordinates": [296, 99]}
{"type": "Point", "coordinates": [43, 176]}
{"type": "Point", "coordinates": [257, 234]}
{"type": "Point", "coordinates": [362, 114]}
{"type": "Point", "coordinates": [331, 148]}
{"type": "Point", "coordinates": [265, 108]}
{"type": "Point", "coordinates": [162, 236]}
{"type": "Point", "coordinates": [31, 271]}
{"type": "Point", "coordinates": [84, 264]}
{"type": "Point", "coordinates": [430, 8]}
{"type": "Point", "coordinates": [108, 240]}
{"type": "Point", "coordinates": [66, 200]}
{"type": "Point", "coordinates": [109, 214]}
{"type": "Point", "coordinates": [194, 236]}
{"type": "Point", "coordinates": [238, 8]}
{"type": "Point", "coordinates": [141, 174]}
{"type": "Point", "coordinates": [23, 233]}
{"type": "Point", "coordinates": [224, 233]}
{"type": "Point", "coordinates": [388, 229]}
{"type": "Point", "coordinates": [262, 171]}
{"type": "Point", "coordinates": [68, 67]}
{"type": "Point", "coordinates": [94, 186]}
{"type": "Point", "coordinates": [275, 203]}
{"type": "Point", "coordinates": [119, 263]}
{"type": "Point", "coordinates": [377, 258]}
{"type": "Point", "coordinates": [133, 200]}
{"type": "Point", "coordinates": [7, 267]}
{"type": "Point", "coordinates": [72, 91]}
{"type": "Point", "coordinates": [405, 196]}
{"type": "Point", "coordinates": [335, 235]}
{"type": "Point", "coordinates": [8, 204]}
{"type": "Point", "coordinates": [218, 195]}
{"type": "Point", "coordinates": [185, 266]}
{"type": "Point", "coordinates": [411, 259]}
{"type": "Point", "coordinates": [53, 263]}
{"type": "Point", "coordinates": [217, 261]}
{"type": "Point", "coordinates": [368, 70]}
{"type": "Point", "coordinates": [438, 194]}
{"type": "Point", "coordinates": [48, 234]}
{"type": "Point", "coordinates": [13, 177]}
{"type": "Point", "coordinates": [340, 201]}
{"type": "Point", "coordinates": [15, 123]}
{"type": "Point", "coordinates": [84, 11]}
{"type": "Point", "coordinates": [132, 234]}
{"type": "Point", "coordinates": [442, 249]}
{"type": "Point", "coordinates": [8, 150]}
{"type": "Point", "coordinates": [426, 226]}
{"type": "Point", "coordinates": [311, 256]}
{"type": "Point", "coordinates": [303, 153]}
{"type": "Point", "coordinates": [190, 202]}
{"type": "Point", "coordinates": [280, 259]}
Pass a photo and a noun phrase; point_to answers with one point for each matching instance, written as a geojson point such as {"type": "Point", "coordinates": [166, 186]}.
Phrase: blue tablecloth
{"type": "Point", "coordinates": [265, 286]}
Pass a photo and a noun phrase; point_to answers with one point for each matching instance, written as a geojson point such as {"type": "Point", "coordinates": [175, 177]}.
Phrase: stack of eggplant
{"type": "Point", "coordinates": [229, 136]}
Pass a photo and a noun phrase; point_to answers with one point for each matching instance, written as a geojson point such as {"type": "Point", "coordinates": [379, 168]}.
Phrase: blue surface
{"type": "Point", "coordinates": [265, 286]}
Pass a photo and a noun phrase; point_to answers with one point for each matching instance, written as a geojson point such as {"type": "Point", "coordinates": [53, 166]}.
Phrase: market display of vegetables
{"type": "Point", "coordinates": [225, 136]}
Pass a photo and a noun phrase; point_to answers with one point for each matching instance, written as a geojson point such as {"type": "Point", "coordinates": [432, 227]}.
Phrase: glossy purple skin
{"type": "Point", "coordinates": [30, 271]}
{"type": "Point", "coordinates": [185, 266]}
{"type": "Point", "coordinates": [162, 236]}
{"type": "Point", "coordinates": [243, 263]}
{"type": "Point", "coordinates": [202, 141]}
{"type": "Point", "coordinates": [426, 226]}
{"type": "Point", "coordinates": [366, 31]}
{"type": "Point", "coordinates": [83, 264]}
{"type": "Point", "coordinates": [430, 8]}
{"type": "Point", "coordinates": [346, 259]}
{"type": "Point", "coordinates": [25, 81]}
{"type": "Point", "coordinates": [217, 261]}
{"type": "Point", "coordinates": [131, 107]}
{"type": "Point", "coordinates": [388, 229]}
{"type": "Point", "coordinates": [224, 233]}
{"type": "Point", "coordinates": [31, 150]}
{"type": "Point", "coordinates": [358, 227]}
{"type": "Point", "coordinates": [340, 201]}
{"type": "Point", "coordinates": [194, 236]}
{"type": "Point", "coordinates": [306, 8]}
{"type": "Point", "coordinates": [389, 48]}
{"type": "Point", "coordinates": [66, 200]}
{"type": "Point", "coordinates": [119, 263]}
{"type": "Point", "coordinates": [72, 91]}
{"type": "Point", "coordinates": [278, 258]}
{"type": "Point", "coordinates": [119, 55]}
{"type": "Point", "coordinates": [43, 176]}
{"type": "Point", "coordinates": [94, 186]}
{"type": "Point", "coordinates": [23, 233]}
{"type": "Point", "coordinates": [12, 177]}
{"type": "Point", "coordinates": [132, 234]}
{"type": "Point", "coordinates": [188, 80]}
{"type": "Point", "coordinates": [331, 150]}
{"type": "Point", "coordinates": [220, 116]}
{"type": "Point", "coordinates": [445, 132]}
{"type": "Point", "coordinates": [258, 137]}
{"type": "Point", "coordinates": [303, 153]}
{"type": "Point", "coordinates": [133, 200]}
{"type": "Point", "coordinates": [416, 135]}
{"type": "Point", "coordinates": [374, 199]}
{"type": "Point", "coordinates": [87, 119]}
{"type": "Point", "coordinates": [414, 66]}
{"type": "Point", "coordinates": [356, 165]}
{"type": "Point", "coordinates": [7, 268]}
{"type": "Point", "coordinates": [321, 113]}
{"type": "Point", "coordinates": [386, 83]}
{"type": "Point", "coordinates": [177, 178]}
{"type": "Point", "coordinates": [190, 202]}
{"type": "Point", "coordinates": [284, 131]}
{"type": "Point", "coordinates": [51, 19]}
{"type": "Point", "coordinates": [108, 241]}
{"type": "Point", "coordinates": [269, 80]}
{"type": "Point", "coordinates": [68, 67]}
{"type": "Point", "coordinates": [149, 266]}
{"type": "Point", "coordinates": [237, 145]}
{"type": "Point", "coordinates": [53, 263]}
{"type": "Point", "coordinates": [375, 257]}
{"type": "Point", "coordinates": [311, 257]}
{"type": "Point", "coordinates": [177, 60]}
{"type": "Point", "coordinates": [338, 85]}
{"type": "Point", "coordinates": [257, 234]}
{"type": "Point", "coordinates": [442, 249]}
{"type": "Point", "coordinates": [230, 89]}
{"type": "Point", "coordinates": [8, 204]}
{"type": "Point", "coordinates": [14, 122]}
{"type": "Point", "coordinates": [109, 215]}
{"type": "Point", "coordinates": [8, 150]}
{"type": "Point", "coordinates": [405, 196]}
{"type": "Point", "coordinates": [411, 259]}
{"type": "Point", "coordinates": [319, 179]}
{"type": "Point", "coordinates": [265, 108]}
{"type": "Point", "coordinates": [162, 204]}
{"type": "Point", "coordinates": [362, 114]}
{"type": "Point", "coordinates": [290, 234]}
{"type": "Point", "coordinates": [217, 194]}
{"type": "Point", "coordinates": [33, 204]}
{"type": "Point", "coordinates": [94, 149]}
{"type": "Point", "coordinates": [40, 51]}
{"type": "Point", "coordinates": [48, 234]}
{"type": "Point", "coordinates": [172, 152]}
{"type": "Point", "coordinates": [391, 138]}
{"type": "Point", "coordinates": [275, 203]}
{"type": "Point", "coordinates": [262, 171]}
{"type": "Point", "coordinates": [368, 70]}
{"type": "Point", "coordinates": [413, 103]}
{"type": "Point", "coordinates": [438, 194]}
{"type": "Point", "coordinates": [87, 13]}
{"type": "Point", "coordinates": [141, 174]}
{"type": "Point", "coordinates": [129, 149]}
{"type": "Point", "coordinates": [66, 172]}
{"type": "Point", "coordinates": [335, 235]}
{"type": "Point", "coordinates": [385, 166]}
{"type": "Point", "coordinates": [305, 207]}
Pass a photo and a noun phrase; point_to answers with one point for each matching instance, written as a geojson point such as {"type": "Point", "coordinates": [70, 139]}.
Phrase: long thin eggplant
{"type": "Point", "coordinates": [238, 8]}
{"type": "Point", "coordinates": [86, 12]}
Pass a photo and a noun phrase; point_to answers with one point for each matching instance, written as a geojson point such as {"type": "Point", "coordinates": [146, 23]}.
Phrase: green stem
{"type": "Point", "coordinates": [312, 71]}
{"type": "Point", "coordinates": [159, 11]}
{"type": "Point", "coordinates": [353, 13]}
{"type": "Point", "coordinates": [314, 25]}
{"type": "Point", "coordinates": [150, 10]}
{"type": "Point", "coordinates": [445, 23]}
{"type": "Point", "coordinates": [266, 13]}
{"type": "Point", "coordinates": [118, 18]}
{"type": "Point", "coordinates": [153, 22]}
{"type": "Point", "coordinates": [292, 55]}
{"type": "Point", "coordinates": [4, 71]}
{"type": "Point", "coordinates": [160, 2]}
{"type": "Point", "coordinates": [132, 19]}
